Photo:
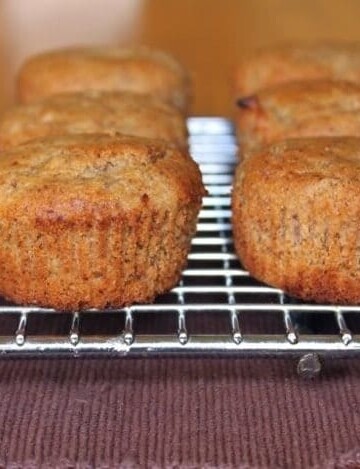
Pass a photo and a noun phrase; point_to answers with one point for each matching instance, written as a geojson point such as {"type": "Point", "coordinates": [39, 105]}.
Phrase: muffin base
{"type": "Point", "coordinates": [103, 263]}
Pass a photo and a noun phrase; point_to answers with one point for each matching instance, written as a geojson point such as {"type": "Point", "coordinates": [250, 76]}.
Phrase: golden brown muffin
{"type": "Point", "coordinates": [298, 109]}
{"type": "Point", "coordinates": [93, 112]}
{"type": "Point", "coordinates": [95, 221]}
{"type": "Point", "coordinates": [296, 212]}
{"type": "Point", "coordinates": [136, 69]}
{"type": "Point", "coordinates": [277, 65]}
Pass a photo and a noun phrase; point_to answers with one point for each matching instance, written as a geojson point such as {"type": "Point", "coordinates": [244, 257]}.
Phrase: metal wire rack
{"type": "Point", "coordinates": [216, 310]}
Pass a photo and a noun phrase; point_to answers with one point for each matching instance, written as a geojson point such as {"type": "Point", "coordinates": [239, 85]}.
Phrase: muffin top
{"type": "Point", "coordinates": [298, 62]}
{"type": "Point", "coordinates": [305, 161]}
{"type": "Point", "coordinates": [136, 69]}
{"type": "Point", "coordinates": [300, 109]}
{"type": "Point", "coordinates": [72, 179]}
{"type": "Point", "coordinates": [93, 112]}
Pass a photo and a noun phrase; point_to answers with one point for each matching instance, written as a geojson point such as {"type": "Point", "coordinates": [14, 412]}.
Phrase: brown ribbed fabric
{"type": "Point", "coordinates": [178, 413]}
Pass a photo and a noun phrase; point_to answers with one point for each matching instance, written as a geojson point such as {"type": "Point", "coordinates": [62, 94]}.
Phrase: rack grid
{"type": "Point", "coordinates": [216, 310]}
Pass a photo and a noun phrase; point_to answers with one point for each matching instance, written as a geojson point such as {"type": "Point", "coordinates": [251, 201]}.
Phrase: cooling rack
{"type": "Point", "coordinates": [216, 310]}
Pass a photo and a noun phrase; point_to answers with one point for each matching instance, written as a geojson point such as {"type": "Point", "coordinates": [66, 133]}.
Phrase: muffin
{"type": "Point", "coordinates": [137, 69]}
{"type": "Point", "coordinates": [107, 112]}
{"type": "Point", "coordinates": [90, 221]}
{"type": "Point", "coordinates": [296, 212]}
{"type": "Point", "coordinates": [278, 65]}
{"type": "Point", "coordinates": [298, 109]}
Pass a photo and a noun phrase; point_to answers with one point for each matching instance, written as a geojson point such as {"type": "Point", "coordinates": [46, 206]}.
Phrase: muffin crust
{"type": "Point", "coordinates": [296, 211]}
{"type": "Point", "coordinates": [136, 69]}
{"type": "Point", "coordinates": [93, 112]}
{"type": "Point", "coordinates": [317, 108]}
{"type": "Point", "coordinates": [281, 64]}
{"type": "Point", "coordinates": [95, 221]}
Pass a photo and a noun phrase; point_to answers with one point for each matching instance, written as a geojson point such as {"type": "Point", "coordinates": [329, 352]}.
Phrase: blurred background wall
{"type": "Point", "coordinates": [208, 36]}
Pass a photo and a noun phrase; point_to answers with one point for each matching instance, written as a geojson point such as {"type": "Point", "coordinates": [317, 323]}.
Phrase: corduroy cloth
{"type": "Point", "coordinates": [176, 413]}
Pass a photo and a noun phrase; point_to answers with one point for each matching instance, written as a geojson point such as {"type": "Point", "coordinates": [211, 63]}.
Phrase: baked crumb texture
{"type": "Point", "coordinates": [296, 211]}
{"type": "Point", "coordinates": [296, 109]}
{"type": "Point", "coordinates": [91, 221]}
{"type": "Point", "coordinates": [273, 66]}
{"type": "Point", "coordinates": [139, 70]}
{"type": "Point", "coordinates": [109, 112]}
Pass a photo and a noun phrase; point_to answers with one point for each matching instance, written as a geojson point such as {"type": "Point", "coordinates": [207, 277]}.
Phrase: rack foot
{"type": "Point", "coordinates": [309, 366]}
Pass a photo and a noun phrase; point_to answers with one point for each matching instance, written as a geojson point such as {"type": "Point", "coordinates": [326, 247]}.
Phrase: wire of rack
{"type": "Point", "coordinates": [217, 309]}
